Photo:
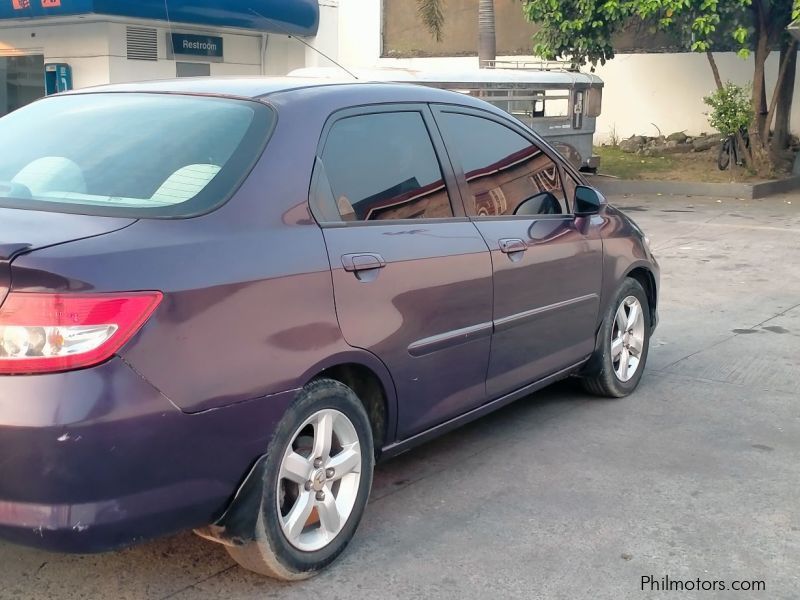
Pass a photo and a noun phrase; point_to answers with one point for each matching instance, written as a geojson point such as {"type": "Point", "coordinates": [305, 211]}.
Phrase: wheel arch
{"type": "Point", "coordinates": [371, 381]}
{"type": "Point", "coordinates": [370, 390]}
{"type": "Point", "coordinates": [647, 279]}
{"type": "Point", "coordinates": [641, 272]}
{"type": "Point", "coordinates": [368, 377]}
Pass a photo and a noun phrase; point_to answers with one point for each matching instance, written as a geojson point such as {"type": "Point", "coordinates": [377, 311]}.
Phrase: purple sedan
{"type": "Point", "coordinates": [221, 301]}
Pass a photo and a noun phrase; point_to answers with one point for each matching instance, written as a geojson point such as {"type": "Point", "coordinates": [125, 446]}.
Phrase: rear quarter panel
{"type": "Point", "coordinates": [248, 300]}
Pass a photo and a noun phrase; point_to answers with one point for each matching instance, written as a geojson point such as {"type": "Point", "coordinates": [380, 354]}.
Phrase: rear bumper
{"type": "Point", "coordinates": [99, 526]}
{"type": "Point", "coordinates": [98, 459]}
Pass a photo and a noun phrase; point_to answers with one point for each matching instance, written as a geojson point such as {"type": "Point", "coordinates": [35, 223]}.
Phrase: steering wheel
{"type": "Point", "coordinates": [12, 189]}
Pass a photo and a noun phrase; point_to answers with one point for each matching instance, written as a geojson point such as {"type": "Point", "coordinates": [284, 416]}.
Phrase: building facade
{"type": "Point", "coordinates": [52, 45]}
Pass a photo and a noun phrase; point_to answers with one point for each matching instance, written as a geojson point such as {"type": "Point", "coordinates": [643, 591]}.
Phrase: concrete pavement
{"type": "Point", "coordinates": [562, 496]}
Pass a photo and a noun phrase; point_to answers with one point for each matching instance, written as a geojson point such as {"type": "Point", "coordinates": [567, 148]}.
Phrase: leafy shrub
{"type": "Point", "coordinates": [731, 109]}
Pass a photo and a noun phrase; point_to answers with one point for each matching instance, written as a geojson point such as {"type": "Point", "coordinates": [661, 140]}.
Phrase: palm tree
{"type": "Point", "coordinates": [430, 11]}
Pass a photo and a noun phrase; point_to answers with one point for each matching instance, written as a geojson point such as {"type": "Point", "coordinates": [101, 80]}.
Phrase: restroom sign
{"type": "Point", "coordinates": [197, 45]}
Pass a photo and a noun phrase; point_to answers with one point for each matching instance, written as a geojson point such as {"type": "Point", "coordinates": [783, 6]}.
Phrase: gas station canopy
{"type": "Point", "coordinates": [298, 17]}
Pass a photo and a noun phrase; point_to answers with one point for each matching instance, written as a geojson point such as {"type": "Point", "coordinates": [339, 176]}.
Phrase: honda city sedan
{"type": "Point", "coordinates": [222, 300]}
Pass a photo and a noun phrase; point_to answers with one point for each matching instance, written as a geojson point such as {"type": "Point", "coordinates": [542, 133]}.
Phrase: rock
{"type": "Point", "coordinates": [679, 149]}
{"type": "Point", "coordinates": [655, 142]}
{"type": "Point", "coordinates": [632, 144]}
{"type": "Point", "coordinates": [678, 136]}
{"type": "Point", "coordinates": [672, 147]}
{"type": "Point", "coordinates": [706, 142]}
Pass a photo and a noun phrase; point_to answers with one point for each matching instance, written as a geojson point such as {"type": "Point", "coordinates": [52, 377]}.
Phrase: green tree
{"type": "Point", "coordinates": [583, 30]}
{"type": "Point", "coordinates": [432, 15]}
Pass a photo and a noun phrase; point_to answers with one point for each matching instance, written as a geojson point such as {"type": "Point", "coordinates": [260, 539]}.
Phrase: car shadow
{"type": "Point", "coordinates": [523, 417]}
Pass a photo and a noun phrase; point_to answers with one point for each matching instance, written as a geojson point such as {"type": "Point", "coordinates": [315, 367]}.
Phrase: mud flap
{"type": "Point", "coordinates": [237, 525]}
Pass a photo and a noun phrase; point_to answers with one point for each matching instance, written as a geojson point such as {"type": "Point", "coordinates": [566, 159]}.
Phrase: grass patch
{"type": "Point", "coordinates": [614, 161]}
{"type": "Point", "coordinates": [693, 166]}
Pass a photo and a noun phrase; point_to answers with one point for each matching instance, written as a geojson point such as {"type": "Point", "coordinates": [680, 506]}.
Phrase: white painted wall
{"type": "Point", "coordinates": [640, 89]}
{"type": "Point", "coordinates": [284, 54]}
{"type": "Point", "coordinates": [668, 90]}
{"type": "Point", "coordinates": [327, 39]}
{"type": "Point", "coordinates": [83, 45]}
{"type": "Point", "coordinates": [360, 32]}
{"type": "Point", "coordinates": [242, 54]}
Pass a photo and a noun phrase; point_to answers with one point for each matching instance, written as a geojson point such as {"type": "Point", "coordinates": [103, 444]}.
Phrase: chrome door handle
{"type": "Point", "coordinates": [362, 262]}
{"type": "Point", "coordinates": [512, 246]}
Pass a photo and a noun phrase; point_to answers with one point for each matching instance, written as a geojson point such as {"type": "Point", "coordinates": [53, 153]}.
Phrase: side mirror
{"type": "Point", "coordinates": [587, 201]}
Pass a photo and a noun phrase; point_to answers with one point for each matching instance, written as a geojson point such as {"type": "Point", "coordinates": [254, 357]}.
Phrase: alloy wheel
{"type": "Point", "coordinates": [319, 480]}
{"type": "Point", "coordinates": [627, 338]}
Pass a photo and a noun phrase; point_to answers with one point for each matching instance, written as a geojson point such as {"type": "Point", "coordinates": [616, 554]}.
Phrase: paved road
{"type": "Point", "coordinates": [561, 496]}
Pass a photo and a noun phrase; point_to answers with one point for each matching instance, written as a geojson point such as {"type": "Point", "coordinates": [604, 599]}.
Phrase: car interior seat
{"type": "Point", "coordinates": [185, 183]}
{"type": "Point", "coordinates": [51, 174]}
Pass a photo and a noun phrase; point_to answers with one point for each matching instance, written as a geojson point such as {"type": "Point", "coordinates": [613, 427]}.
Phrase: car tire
{"type": "Point", "coordinates": [623, 344]}
{"type": "Point", "coordinates": [289, 545]}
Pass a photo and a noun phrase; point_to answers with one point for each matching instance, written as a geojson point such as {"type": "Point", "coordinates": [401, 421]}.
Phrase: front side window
{"type": "Point", "coordinates": [506, 174]}
{"type": "Point", "coordinates": [383, 166]}
{"type": "Point", "coordinates": [122, 154]}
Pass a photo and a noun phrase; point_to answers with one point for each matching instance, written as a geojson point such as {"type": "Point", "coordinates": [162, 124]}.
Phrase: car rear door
{"type": "Point", "coordinates": [412, 275]}
{"type": "Point", "coordinates": [547, 262]}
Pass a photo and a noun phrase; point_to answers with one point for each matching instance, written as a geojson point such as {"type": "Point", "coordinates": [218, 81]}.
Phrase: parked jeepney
{"type": "Point", "coordinates": [560, 104]}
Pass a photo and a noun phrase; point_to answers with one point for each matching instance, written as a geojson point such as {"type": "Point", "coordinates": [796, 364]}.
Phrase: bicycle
{"type": "Point", "coordinates": [729, 151]}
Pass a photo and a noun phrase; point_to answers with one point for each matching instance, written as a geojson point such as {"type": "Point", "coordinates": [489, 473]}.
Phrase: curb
{"type": "Point", "coordinates": [747, 191]}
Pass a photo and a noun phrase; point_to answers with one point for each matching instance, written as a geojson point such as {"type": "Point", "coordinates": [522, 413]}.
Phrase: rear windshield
{"type": "Point", "coordinates": [137, 155]}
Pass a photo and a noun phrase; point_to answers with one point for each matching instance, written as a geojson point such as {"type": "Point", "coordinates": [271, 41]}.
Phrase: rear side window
{"type": "Point", "coordinates": [383, 166]}
{"type": "Point", "coordinates": [139, 155]}
{"type": "Point", "coordinates": [506, 174]}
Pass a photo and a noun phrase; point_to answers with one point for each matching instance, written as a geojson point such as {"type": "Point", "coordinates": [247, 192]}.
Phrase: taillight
{"type": "Point", "coordinates": [45, 333]}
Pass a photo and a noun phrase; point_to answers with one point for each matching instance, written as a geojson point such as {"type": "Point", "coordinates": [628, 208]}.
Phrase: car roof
{"type": "Point", "coordinates": [265, 87]}
{"type": "Point", "coordinates": [245, 87]}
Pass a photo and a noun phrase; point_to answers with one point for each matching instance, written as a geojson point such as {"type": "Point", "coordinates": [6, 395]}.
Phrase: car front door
{"type": "Point", "coordinates": [547, 262]}
{"type": "Point", "coordinates": [412, 276]}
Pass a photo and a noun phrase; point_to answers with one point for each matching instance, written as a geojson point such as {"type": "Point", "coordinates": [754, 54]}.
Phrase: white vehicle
{"type": "Point", "coordinates": [559, 104]}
